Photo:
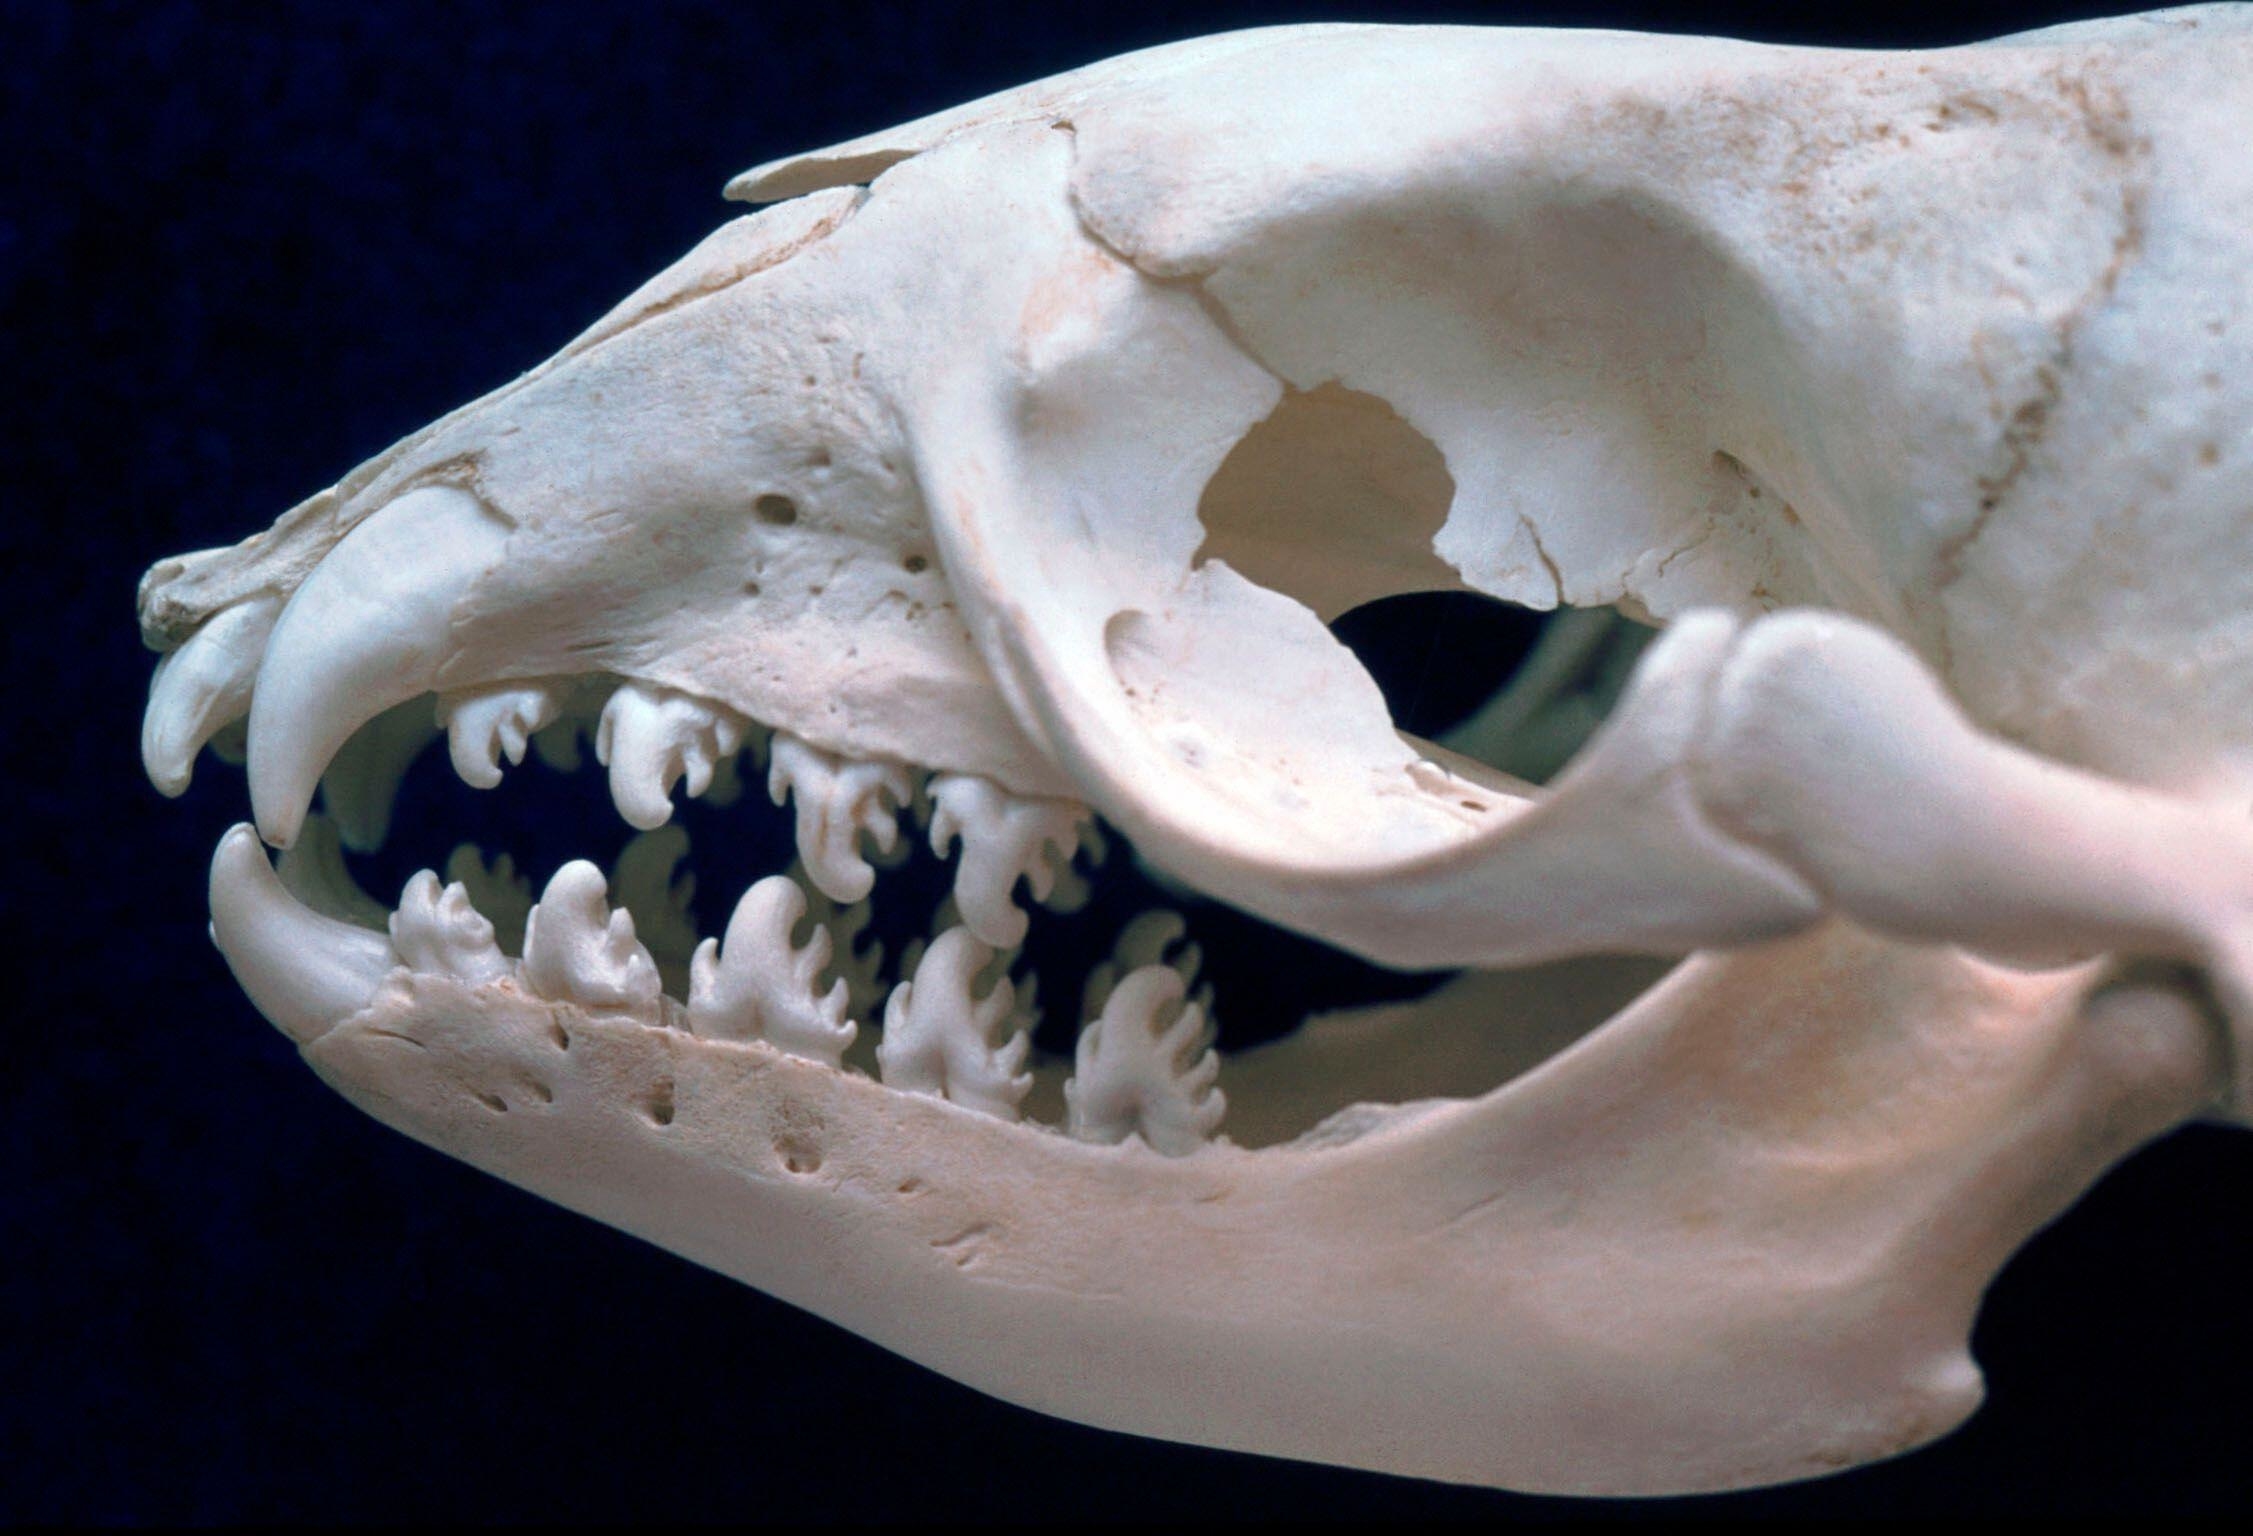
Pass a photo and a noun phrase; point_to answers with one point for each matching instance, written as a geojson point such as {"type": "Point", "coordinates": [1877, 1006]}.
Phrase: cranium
{"type": "Point", "coordinates": [1002, 476]}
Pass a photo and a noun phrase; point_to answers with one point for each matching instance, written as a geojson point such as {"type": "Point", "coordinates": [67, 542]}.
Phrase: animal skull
{"type": "Point", "coordinates": [1003, 474]}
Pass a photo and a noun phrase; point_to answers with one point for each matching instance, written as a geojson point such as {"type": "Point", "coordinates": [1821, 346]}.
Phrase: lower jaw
{"type": "Point", "coordinates": [1717, 1243]}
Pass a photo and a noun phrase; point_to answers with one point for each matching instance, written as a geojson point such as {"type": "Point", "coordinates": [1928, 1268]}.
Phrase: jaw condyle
{"type": "Point", "coordinates": [990, 492]}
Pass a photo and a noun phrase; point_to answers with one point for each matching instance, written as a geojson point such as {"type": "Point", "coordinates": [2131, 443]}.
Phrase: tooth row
{"type": "Point", "coordinates": [1146, 1067]}
{"type": "Point", "coordinates": [757, 985]}
{"type": "Point", "coordinates": [437, 930]}
{"type": "Point", "coordinates": [651, 738]}
{"type": "Point", "coordinates": [1004, 839]}
{"type": "Point", "coordinates": [837, 800]}
{"type": "Point", "coordinates": [941, 1038]}
{"type": "Point", "coordinates": [577, 949]}
{"type": "Point", "coordinates": [202, 689]}
{"type": "Point", "coordinates": [484, 725]}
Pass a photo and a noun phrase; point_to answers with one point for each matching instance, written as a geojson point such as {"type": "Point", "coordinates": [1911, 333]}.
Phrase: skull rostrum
{"type": "Point", "coordinates": [965, 491]}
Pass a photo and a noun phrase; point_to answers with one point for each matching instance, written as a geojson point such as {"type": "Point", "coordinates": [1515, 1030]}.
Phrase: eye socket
{"type": "Point", "coordinates": [775, 510]}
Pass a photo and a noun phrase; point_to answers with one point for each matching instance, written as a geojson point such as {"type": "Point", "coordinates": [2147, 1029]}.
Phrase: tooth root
{"type": "Point", "coordinates": [836, 801]}
{"type": "Point", "coordinates": [370, 628]}
{"type": "Point", "coordinates": [437, 931]}
{"type": "Point", "coordinates": [577, 950]}
{"type": "Point", "coordinates": [499, 891]}
{"type": "Point", "coordinates": [312, 869]}
{"type": "Point", "coordinates": [1146, 1066]}
{"type": "Point", "coordinates": [203, 688]}
{"type": "Point", "coordinates": [651, 737]}
{"type": "Point", "coordinates": [941, 1038]}
{"type": "Point", "coordinates": [645, 885]}
{"type": "Point", "coordinates": [484, 725]}
{"type": "Point", "coordinates": [304, 972]}
{"type": "Point", "coordinates": [363, 781]}
{"type": "Point", "coordinates": [758, 986]}
{"type": "Point", "coordinates": [1004, 839]}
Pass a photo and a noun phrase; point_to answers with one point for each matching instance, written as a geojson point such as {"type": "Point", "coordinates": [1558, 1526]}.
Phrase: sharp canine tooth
{"type": "Point", "coordinates": [500, 892]}
{"type": "Point", "coordinates": [312, 869]}
{"type": "Point", "coordinates": [758, 987]}
{"type": "Point", "coordinates": [483, 725]}
{"type": "Point", "coordinates": [1147, 1067]}
{"type": "Point", "coordinates": [836, 801]}
{"type": "Point", "coordinates": [1003, 838]}
{"type": "Point", "coordinates": [368, 629]}
{"type": "Point", "coordinates": [939, 1037]}
{"type": "Point", "coordinates": [437, 932]}
{"type": "Point", "coordinates": [577, 950]}
{"type": "Point", "coordinates": [363, 781]}
{"type": "Point", "coordinates": [303, 971]}
{"type": "Point", "coordinates": [202, 688]}
{"type": "Point", "coordinates": [644, 885]}
{"type": "Point", "coordinates": [649, 737]}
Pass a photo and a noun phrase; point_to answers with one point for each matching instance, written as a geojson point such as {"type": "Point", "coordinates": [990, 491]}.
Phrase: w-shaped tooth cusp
{"type": "Point", "coordinates": [941, 1038]}
{"type": "Point", "coordinates": [437, 931]}
{"type": "Point", "coordinates": [651, 738]}
{"type": "Point", "coordinates": [1146, 1066]}
{"type": "Point", "coordinates": [757, 985]}
{"type": "Point", "coordinates": [484, 725]}
{"type": "Point", "coordinates": [837, 800]}
{"type": "Point", "coordinates": [577, 950]}
{"type": "Point", "coordinates": [1004, 838]}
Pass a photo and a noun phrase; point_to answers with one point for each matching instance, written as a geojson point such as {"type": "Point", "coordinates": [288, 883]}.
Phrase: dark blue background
{"type": "Point", "coordinates": [243, 247]}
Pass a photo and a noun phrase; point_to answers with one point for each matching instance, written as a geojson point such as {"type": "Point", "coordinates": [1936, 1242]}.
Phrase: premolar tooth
{"type": "Point", "coordinates": [1146, 1066]}
{"type": "Point", "coordinates": [437, 931]}
{"type": "Point", "coordinates": [836, 801]}
{"type": "Point", "coordinates": [643, 880]}
{"type": "Point", "coordinates": [859, 964]}
{"type": "Point", "coordinates": [484, 725]}
{"type": "Point", "coordinates": [759, 987]}
{"type": "Point", "coordinates": [650, 737]}
{"type": "Point", "coordinates": [1004, 838]}
{"type": "Point", "coordinates": [312, 869]}
{"type": "Point", "coordinates": [500, 891]}
{"type": "Point", "coordinates": [362, 782]}
{"type": "Point", "coordinates": [576, 949]}
{"type": "Point", "coordinates": [305, 972]}
{"type": "Point", "coordinates": [1074, 888]}
{"type": "Point", "coordinates": [941, 1038]}
{"type": "Point", "coordinates": [1144, 941]}
{"type": "Point", "coordinates": [202, 689]}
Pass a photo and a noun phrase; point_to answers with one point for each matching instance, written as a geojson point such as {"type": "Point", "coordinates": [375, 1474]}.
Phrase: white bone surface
{"type": "Point", "coordinates": [1006, 472]}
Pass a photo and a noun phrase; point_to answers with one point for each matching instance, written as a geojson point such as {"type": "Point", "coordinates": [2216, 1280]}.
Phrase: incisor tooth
{"type": "Point", "coordinates": [485, 725]}
{"type": "Point", "coordinates": [577, 950]}
{"type": "Point", "coordinates": [759, 987]}
{"type": "Point", "coordinates": [836, 801]}
{"type": "Point", "coordinates": [651, 737]}
{"type": "Point", "coordinates": [203, 688]}
{"type": "Point", "coordinates": [1004, 838]}
{"type": "Point", "coordinates": [940, 1038]}
{"type": "Point", "coordinates": [438, 932]}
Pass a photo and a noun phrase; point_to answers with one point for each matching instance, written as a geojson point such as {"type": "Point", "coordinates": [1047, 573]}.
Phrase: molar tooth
{"type": "Point", "coordinates": [759, 987]}
{"type": "Point", "coordinates": [484, 725]}
{"type": "Point", "coordinates": [312, 869]}
{"type": "Point", "coordinates": [203, 688]}
{"type": "Point", "coordinates": [500, 891]}
{"type": "Point", "coordinates": [836, 801]}
{"type": "Point", "coordinates": [1003, 838]}
{"type": "Point", "coordinates": [436, 931]}
{"type": "Point", "coordinates": [577, 950]}
{"type": "Point", "coordinates": [643, 880]}
{"type": "Point", "coordinates": [940, 1038]}
{"type": "Point", "coordinates": [1146, 1066]}
{"type": "Point", "coordinates": [649, 737]}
